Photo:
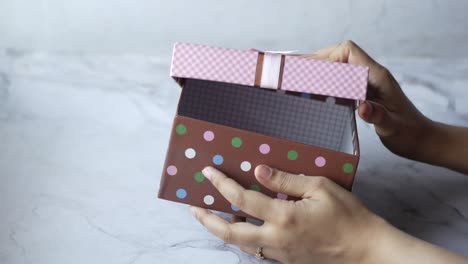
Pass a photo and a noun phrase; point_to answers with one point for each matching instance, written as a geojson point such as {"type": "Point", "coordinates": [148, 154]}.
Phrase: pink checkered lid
{"type": "Point", "coordinates": [298, 74]}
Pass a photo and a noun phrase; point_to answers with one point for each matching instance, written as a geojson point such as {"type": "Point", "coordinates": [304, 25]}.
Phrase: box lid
{"type": "Point", "coordinates": [269, 70]}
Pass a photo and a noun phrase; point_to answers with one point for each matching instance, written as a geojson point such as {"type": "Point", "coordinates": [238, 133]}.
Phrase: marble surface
{"type": "Point", "coordinates": [82, 143]}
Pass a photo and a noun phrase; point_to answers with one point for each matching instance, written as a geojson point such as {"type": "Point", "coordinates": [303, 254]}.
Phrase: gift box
{"type": "Point", "coordinates": [242, 108]}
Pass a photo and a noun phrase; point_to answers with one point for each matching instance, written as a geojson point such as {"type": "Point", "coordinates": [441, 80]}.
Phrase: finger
{"type": "Point", "coordinates": [346, 52]}
{"type": "Point", "coordinates": [238, 233]}
{"type": "Point", "coordinates": [377, 114]}
{"type": "Point", "coordinates": [350, 52]}
{"type": "Point", "coordinates": [268, 253]}
{"type": "Point", "coordinates": [321, 54]}
{"type": "Point", "coordinates": [287, 183]}
{"type": "Point", "coordinates": [380, 79]}
{"type": "Point", "coordinates": [365, 111]}
{"type": "Point", "coordinates": [251, 202]}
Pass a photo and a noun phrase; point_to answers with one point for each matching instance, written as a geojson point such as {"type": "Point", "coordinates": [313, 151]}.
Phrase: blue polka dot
{"type": "Point", "coordinates": [234, 208]}
{"type": "Point", "coordinates": [218, 159]}
{"type": "Point", "coordinates": [181, 193]}
{"type": "Point", "coordinates": [306, 95]}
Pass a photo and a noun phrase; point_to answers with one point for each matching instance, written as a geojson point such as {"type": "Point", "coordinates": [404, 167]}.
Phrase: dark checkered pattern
{"type": "Point", "coordinates": [267, 112]}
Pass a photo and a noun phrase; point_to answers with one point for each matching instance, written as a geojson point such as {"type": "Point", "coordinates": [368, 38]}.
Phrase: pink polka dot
{"type": "Point", "coordinates": [264, 148]}
{"type": "Point", "coordinates": [208, 135]}
{"type": "Point", "coordinates": [171, 170]}
{"type": "Point", "coordinates": [320, 161]}
{"type": "Point", "coordinates": [282, 196]}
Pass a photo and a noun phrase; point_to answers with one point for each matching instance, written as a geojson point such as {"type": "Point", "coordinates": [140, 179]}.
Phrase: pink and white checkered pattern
{"type": "Point", "coordinates": [214, 64]}
{"type": "Point", "coordinates": [325, 78]}
{"type": "Point", "coordinates": [299, 74]}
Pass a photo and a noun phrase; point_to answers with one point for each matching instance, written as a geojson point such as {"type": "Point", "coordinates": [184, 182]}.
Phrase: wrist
{"type": "Point", "coordinates": [374, 244]}
{"type": "Point", "coordinates": [387, 244]}
{"type": "Point", "coordinates": [436, 143]}
{"type": "Point", "coordinates": [430, 138]}
{"type": "Point", "coordinates": [448, 147]}
{"type": "Point", "coordinates": [367, 243]}
{"type": "Point", "coordinates": [391, 245]}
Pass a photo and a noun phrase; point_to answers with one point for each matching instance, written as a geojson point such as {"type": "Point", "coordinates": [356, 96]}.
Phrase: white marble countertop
{"type": "Point", "coordinates": [82, 144]}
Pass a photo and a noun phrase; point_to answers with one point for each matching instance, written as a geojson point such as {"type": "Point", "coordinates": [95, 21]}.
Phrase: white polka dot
{"type": "Point", "coordinates": [208, 199]}
{"type": "Point", "coordinates": [190, 153]}
{"type": "Point", "coordinates": [245, 166]}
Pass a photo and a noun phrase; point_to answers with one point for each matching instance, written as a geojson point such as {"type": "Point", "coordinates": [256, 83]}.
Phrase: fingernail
{"type": "Point", "coordinates": [264, 172]}
{"type": "Point", "coordinates": [208, 172]}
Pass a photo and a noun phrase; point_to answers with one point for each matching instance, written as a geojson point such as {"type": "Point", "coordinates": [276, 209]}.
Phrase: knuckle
{"type": "Point", "coordinates": [286, 218]}
{"type": "Point", "coordinates": [349, 44]}
{"type": "Point", "coordinates": [319, 182]}
{"type": "Point", "coordinates": [284, 180]}
{"type": "Point", "coordinates": [219, 182]}
{"type": "Point", "coordinates": [384, 74]}
{"type": "Point", "coordinates": [224, 185]}
{"type": "Point", "coordinates": [238, 199]}
{"type": "Point", "coordinates": [227, 235]}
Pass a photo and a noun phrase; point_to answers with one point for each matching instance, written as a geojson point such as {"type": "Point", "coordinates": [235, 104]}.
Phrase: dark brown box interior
{"type": "Point", "coordinates": [317, 121]}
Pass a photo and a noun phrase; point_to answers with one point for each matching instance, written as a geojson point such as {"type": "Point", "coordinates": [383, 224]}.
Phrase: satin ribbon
{"type": "Point", "coordinates": [271, 70]}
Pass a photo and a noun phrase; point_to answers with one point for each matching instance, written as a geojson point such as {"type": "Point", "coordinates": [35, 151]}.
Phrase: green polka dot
{"type": "Point", "coordinates": [236, 142]}
{"type": "Point", "coordinates": [292, 155]}
{"type": "Point", "coordinates": [199, 177]}
{"type": "Point", "coordinates": [348, 167]}
{"type": "Point", "coordinates": [254, 187]}
{"type": "Point", "coordinates": [181, 129]}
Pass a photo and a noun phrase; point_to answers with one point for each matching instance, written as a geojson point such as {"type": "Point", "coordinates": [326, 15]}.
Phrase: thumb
{"type": "Point", "coordinates": [287, 183]}
{"type": "Point", "coordinates": [377, 114]}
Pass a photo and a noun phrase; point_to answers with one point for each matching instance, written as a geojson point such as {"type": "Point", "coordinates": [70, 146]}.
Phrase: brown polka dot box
{"type": "Point", "coordinates": [242, 108]}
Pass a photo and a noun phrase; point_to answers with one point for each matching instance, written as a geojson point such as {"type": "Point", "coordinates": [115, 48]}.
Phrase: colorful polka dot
{"type": "Point", "coordinates": [171, 170]}
{"type": "Point", "coordinates": [181, 193]}
{"type": "Point", "coordinates": [208, 200]}
{"type": "Point", "coordinates": [208, 135]}
{"type": "Point", "coordinates": [282, 196]}
{"type": "Point", "coordinates": [236, 142]}
{"type": "Point", "coordinates": [320, 161]}
{"type": "Point", "coordinates": [234, 208]}
{"type": "Point", "coordinates": [264, 148]}
{"type": "Point", "coordinates": [292, 155]}
{"type": "Point", "coordinates": [181, 129]}
{"type": "Point", "coordinates": [348, 168]}
{"type": "Point", "coordinates": [218, 159]}
{"type": "Point", "coordinates": [199, 177]}
{"type": "Point", "coordinates": [190, 153]}
{"type": "Point", "coordinates": [254, 187]}
{"type": "Point", "coordinates": [245, 166]}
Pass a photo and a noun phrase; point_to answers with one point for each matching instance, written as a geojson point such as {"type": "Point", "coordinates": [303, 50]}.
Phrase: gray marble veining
{"type": "Point", "coordinates": [82, 143]}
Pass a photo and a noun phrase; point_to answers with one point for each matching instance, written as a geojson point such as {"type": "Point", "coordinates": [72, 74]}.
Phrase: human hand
{"type": "Point", "coordinates": [400, 126]}
{"type": "Point", "coordinates": [328, 225]}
